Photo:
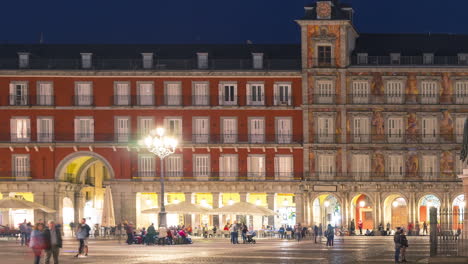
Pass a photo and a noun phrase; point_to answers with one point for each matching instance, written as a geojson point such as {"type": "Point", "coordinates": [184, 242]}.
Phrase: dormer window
{"type": "Point", "coordinates": [395, 58]}
{"type": "Point", "coordinates": [202, 61]}
{"type": "Point", "coordinates": [147, 60]}
{"type": "Point", "coordinates": [428, 58]}
{"type": "Point", "coordinates": [86, 60]}
{"type": "Point", "coordinates": [463, 58]}
{"type": "Point", "coordinates": [23, 60]}
{"type": "Point", "coordinates": [257, 61]}
{"type": "Point", "coordinates": [362, 58]}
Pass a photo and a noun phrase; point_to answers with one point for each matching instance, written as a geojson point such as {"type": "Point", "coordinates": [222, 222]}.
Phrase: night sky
{"type": "Point", "coordinates": [209, 21]}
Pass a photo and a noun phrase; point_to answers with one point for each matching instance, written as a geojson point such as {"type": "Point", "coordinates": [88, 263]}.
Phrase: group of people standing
{"type": "Point", "coordinates": [44, 238]}
{"type": "Point", "coordinates": [401, 244]}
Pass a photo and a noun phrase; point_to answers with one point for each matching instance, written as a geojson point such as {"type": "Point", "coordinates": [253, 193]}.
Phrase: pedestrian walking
{"type": "Point", "coordinates": [281, 232]}
{"type": "Point", "coordinates": [404, 245]}
{"type": "Point", "coordinates": [54, 240]}
{"type": "Point", "coordinates": [234, 233]}
{"type": "Point", "coordinates": [298, 232]}
{"type": "Point", "coordinates": [244, 233]}
{"type": "Point", "coordinates": [330, 235]}
{"type": "Point", "coordinates": [315, 233]}
{"type": "Point", "coordinates": [397, 241]}
{"type": "Point", "coordinates": [360, 225]}
{"type": "Point", "coordinates": [23, 230]}
{"type": "Point", "coordinates": [424, 228]}
{"type": "Point", "coordinates": [82, 234]}
{"type": "Point", "coordinates": [38, 242]}
{"type": "Point", "coordinates": [417, 229]}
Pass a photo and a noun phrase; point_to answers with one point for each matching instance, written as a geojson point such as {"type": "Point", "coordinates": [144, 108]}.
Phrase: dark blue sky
{"type": "Point", "coordinates": [209, 21]}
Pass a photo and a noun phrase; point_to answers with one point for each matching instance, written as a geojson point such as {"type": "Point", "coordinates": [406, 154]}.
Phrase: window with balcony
{"type": "Point", "coordinates": [461, 92]}
{"type": "Point", "coordinates": [20, 129]}
{"type": "Point", "coordinates": [325, 92]}
{"type": "Point", "coordinates": [45, 93]}
{"type": "Point", "coordinates": [228, 94]}
{"type": "Point", "coordinates": [146, 166]}
{"type": "Point", "coordinates": [145, 125]}
{"type": "Point", "coordinates": [429, 167]}
{"type": "Point", "coordinates": [284, 168]}
{"type": "Point", "coordinates": [173, 168]}
{"type": "Point", "coordinates": [361, 92]}
{"type": "Point", "coordinates": [229, 130]}
{"type": "Point", "coordinates": [324, 55]}
{"type": "Point", "coordinates": [256, 167]}
{"type": "Point", "coordinates": [83, 94]}
{"type": "Point", "coordinates": [201, 130]}
{"type": "Point", "coordinates": [326, 166]}
{"type": "Point", "coordinates": [361, 166]}
{"type": "Point", "coordinates": [283, 130]}
{"type": "Point", "coordinates": [145, 93]}
{"type": "Point", "coordinates": [395, 130]}
{"type": "Point", "coordinates": [19, 93]}
{"type": "Point", "coordinates": [429, 92]}
{"type": "Point", "coordinates": [228, 167]}
{"type": "Point", "coordinates": [21, 167]}
{"type": "Point", "coordinates": [395, 166]}
{"type": "Point", "coordinates": [202, 61]}
{"type": "Point", "coordinates": [325, 130]}
{"type": "Point", "coordinates": [201, 93]}
{"type": "Point", "coordinates": [45, 129]}
{"type": "Point", "coordinates": [173, 95]}
{"type": "Point", "coordinates": [122, 128]}
{"type": "Point", "coordinates": [429, 129]}
{"type": "Point", "coordinates": [255, 94]}
{"type": "Point", "coordinates": [428, 58]}
{"type": "Point", "coordinates": [361, 128]}
{"type": "Point", "coordinates": [282, 94]}
{"type": "Point", "coordinates": [394, 92]}
{"type": "Point", "coordinates": [362, 58]}
{"type": "Point", "coordinates": [173, 127]}
{"type": "Point", "coordinates": [201, 165]}
{"type": "Point", "coordinates": [459, 127]}
{"type": "Point", "coordinates": [256, 130]}
{"type": "Point", "coordinates": [122, 93]}
{"type": "Point", "coordinates": [257, 61]}
{"type": "Point", "coordinates": [84, 129]}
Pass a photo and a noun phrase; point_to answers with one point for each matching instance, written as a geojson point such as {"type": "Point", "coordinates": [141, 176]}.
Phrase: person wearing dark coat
{"type": "Point", "coordinates": [38, 242]}
{"type": "Point", "coordinates": [53, 236]}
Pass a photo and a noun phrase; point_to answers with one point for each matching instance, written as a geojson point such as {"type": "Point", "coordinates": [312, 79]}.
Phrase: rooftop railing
{"type": "Point", "coordinates": [408, 60]}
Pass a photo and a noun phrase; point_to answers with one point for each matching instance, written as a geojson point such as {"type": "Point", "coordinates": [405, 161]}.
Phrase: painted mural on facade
{"type": "Point", "coordinates": [330, 34]}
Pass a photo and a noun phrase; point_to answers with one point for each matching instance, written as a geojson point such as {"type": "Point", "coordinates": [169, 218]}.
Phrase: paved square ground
{"type": "Point", "coordinates": [347, 250]}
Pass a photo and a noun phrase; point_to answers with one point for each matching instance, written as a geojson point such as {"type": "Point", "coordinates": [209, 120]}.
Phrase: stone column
{"type": "Point", "coordinates": [117, 199]}
{"type": "Point", "coordinates": [129, 207]}
{"type": "Point", "coordinates": [79, 206]}
{"type": "Point", "coordinates": [464, 177]}
{"type": "Point", "coordinates": [376, 209]}
{"type": "Point", "coordinates": [5, 214]}
{"type": "Point", "coordinates": [39, 216]}
{"type": "Point", "coordinates": [271, 206]}
{"type": "Point", "coordinates": [188, 217]}
{"type": "Point", "coordinates": [216, 198]}
{"type": "Point", "coordinates": [299, 208]}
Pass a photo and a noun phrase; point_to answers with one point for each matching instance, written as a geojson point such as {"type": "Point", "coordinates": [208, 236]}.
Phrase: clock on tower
{"type": "Point", "coordinates": [324, 9]}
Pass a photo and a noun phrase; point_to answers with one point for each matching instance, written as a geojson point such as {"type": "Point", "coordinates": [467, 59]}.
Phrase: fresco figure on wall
{"type": "Point", "coordinates": [446, 126]}
{"type": "Point", "coordinates": [377, 87]}
{"type": "Point", "coordinates": [412, 89]}
{"type": "Point", "coordinates": [378, 164]}
{"type": "Point", "coordinates": [412, 127]}
{"type": "Point", "coordinates": [446, 91]}
{"type": "Point", "coordinates": [412, 165]}
{"type": "Point", "coordinates": [446, 163]}
{"type": "Point", "coordinates": [379, 124]}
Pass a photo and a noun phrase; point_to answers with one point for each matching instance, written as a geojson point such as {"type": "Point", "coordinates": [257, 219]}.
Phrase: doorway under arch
{"type": "Point", "coordinates": [425, 204]}
{"type": "Point", "coordinates": [327, 210]}
{"type": "Point", "coordinates": [459, 205]}
{"type": "Point", "coordinates": [362, 211]}
{"type": "Point", "coordinates": [68, 214]}
{"type": "Point", "coordinates": [395, 211]}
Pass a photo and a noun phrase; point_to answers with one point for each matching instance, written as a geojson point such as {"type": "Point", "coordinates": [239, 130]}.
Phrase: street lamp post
{"type": "Point", "coordinates": [162, 146]}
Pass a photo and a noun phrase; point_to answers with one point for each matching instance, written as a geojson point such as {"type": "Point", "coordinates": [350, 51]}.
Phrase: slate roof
{"type": "Point", "coordinates": [412, 44]}
{"type": "Point", "coordinates": [162, 51]}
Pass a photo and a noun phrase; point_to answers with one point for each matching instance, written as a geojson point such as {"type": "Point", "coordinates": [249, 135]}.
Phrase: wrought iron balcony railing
{"type": "Point", "coordinates": [408, 60]}
{"type": "Point", "coordinates": [397, 138]}
{"type": "Point", "coordinates": [219, 176]}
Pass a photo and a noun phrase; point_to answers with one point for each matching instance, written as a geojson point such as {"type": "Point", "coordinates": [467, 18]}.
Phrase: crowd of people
{"type": "Point", "coordinates": [150, 236]}
{"type": "Point", "coordinates": [42, 238]}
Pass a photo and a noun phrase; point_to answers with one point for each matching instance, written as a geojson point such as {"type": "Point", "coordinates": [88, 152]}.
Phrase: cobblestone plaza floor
{"type": "Point", "coordinates": [347, 250]}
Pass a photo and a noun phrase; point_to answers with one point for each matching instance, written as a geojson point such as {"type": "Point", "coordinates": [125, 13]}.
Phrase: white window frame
{"type": "Point", "coordinates": [361, 166]}
{"type": "Point", "coordinates": [459, 127]}
{"type": "Point", "coordinates": [258, 162]}
{"type": "Point", "coordinates": [429, 129]}
{"type": "Point", "coordinates": [45, 98]}
{"type": "Point", "coordinates": [429, 91]}
{"type": "Point", "coordinates": [122, 134]}
{"type": "Point", "coordinates": [149, 99]}
{"type": "Point", "coordinates": [23, 60]}
{"type": "Point", "coordinates": [142, 131]}
{"type": "Point", "coordinates": [326, 166]}
{"type": "Point", "coordinates": [257, 61]}
{"type": "Point", "coordinates": [325, 91]}
{"type": "Point", "coordinates": [395, 91]}
{"type": "Point", "coordinates": [257, 127]}
{"type": "Point", "coordinates": [201, 99]}
{"type": "Point", "coordinates": [83, 98]}
{"type": "Point", "coordinates": [202, 60]}
{"type": "Point", "coordinates": [326, 129]}
{"type": "Point", "coordinates": [231, 173]}
{"type": "Point", "coordinates": [198, 136]}
{"type": "Point", "coordinates": [44, 136]}
{"type": "Point", "coordinates": [231, 96]}
{"type": "Point", "coordinates": [361, 91]}
{"type": "Point", "coordinates": [395, 129]}
{"type": "Point", "coordinates": [257, 98]}
{"type": "Point", "coordinates": [86, 60]}
{"type": "Point", "coordinates": [174, 167]}
{"type": "Point", "coordinates": [201, 166]}
{"type": "Point", "coordinates": [23, 133]}
{"type": "Point", "coordinates": [84, 136]}
{"type": "Point", "coordinates": [396, 166]}
{"type": "Point", "coordinates": [361, 129]}
{"type": "Point", "coordinates": [461, 92]}
{"type": "Point", "coordinates": [21, 164]}
{"type": "Point", "coordinates": [173, 93]}
{"type": "Point", "coordinates": [284, 135]}
{"type": "Point", "coordinates": [167, 126]}
{"type": "Point", "coordinates": [429, 167]}
{"type": "Point", "coordinates": [146, 166]}
{"type": "Point", "coordinates": [147, 60]}
{"type": "Point", "coordinates": [122, 93]}
{"type": "Point", "coordinates": [230, 135]}
{"type": "Point", "coordinates": [282, 93]}
{"type": "Point", "coordinates": [21, 99]}
{"type": "Point", "coordinates": [282, 162]}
